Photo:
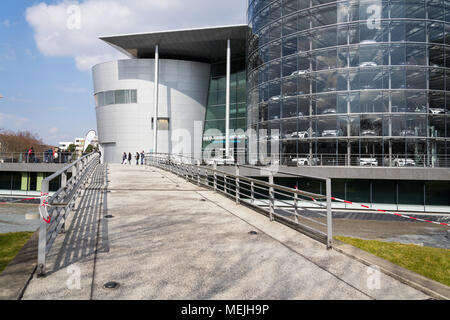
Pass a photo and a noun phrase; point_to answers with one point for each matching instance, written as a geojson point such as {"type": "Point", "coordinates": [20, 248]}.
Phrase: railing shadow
{"type": "Point", "coordinates": [88, 230]}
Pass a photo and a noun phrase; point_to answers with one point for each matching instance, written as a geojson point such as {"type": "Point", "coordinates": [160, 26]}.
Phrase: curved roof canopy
{"type": "Point", "coordinates": [206, 44]}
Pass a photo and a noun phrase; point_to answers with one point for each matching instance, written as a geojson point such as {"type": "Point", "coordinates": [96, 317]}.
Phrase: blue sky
{"type": "Point", "coordinates": [45, 68]}
{"type": "Point", "coordinates": [46, 95]}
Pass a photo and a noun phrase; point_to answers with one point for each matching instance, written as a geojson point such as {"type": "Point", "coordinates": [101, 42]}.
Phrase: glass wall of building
{"type": "Point", "coordinates": [357, 82]}
{"type": "Point", "coordinates": [214, 129]}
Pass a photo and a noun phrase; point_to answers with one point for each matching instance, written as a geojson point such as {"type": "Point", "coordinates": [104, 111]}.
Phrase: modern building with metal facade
{"type": "Point", "coordinates": [189, 80]}
{"type": "Point", "coordinates": [350, 82]}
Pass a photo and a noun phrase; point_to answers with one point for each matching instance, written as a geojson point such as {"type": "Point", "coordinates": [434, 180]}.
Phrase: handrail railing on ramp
{"type": "Point", "coordinates": [278, 202]}
{"type": "Point", "coordinates": [54, 209]}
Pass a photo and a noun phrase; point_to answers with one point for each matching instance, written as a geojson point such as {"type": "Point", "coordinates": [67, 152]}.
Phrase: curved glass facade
{"type": "Point", "coordinates": [351, 82]}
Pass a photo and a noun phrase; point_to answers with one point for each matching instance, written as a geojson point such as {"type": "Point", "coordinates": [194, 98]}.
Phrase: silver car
{"type": "Point", "coordinates": [404, 163]}
{"type": "Point", "coordinates": [221, 161]}
{"type": "Point", "coordinates": [299, 72]}
{"type": "Point", "coordinates": [369, 132]}
{"type": "Point", "coordinates": [368, 64]}
{"type": "Point", "coordinates": [372, 162]}
{"type": "Point", "coordinates": [437, 111]}
{"type": "Point", "coordinates": [406, 133]}
{"type": "Point", "coordinates": [304, 161]}
{"type": "Point", "coordinates": [329, 111]}
{"type": "Point", "coordinates": [331, 133]}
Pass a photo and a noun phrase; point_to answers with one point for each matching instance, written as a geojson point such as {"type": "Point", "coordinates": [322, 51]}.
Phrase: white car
{"type": "Point", "coordinates": [332, 133]}
{"type": "Point", "coordinates": [437, 111]}
{"type": "Point", "coordinates": [275, 98]}
{"type": "Point", "coordinates": [404, 163]}
{"type": "Point", "coordinates": [304, 161]}
{"type": "Point", "coordinates": [299, 72]}
{"type": "Point", "coordinates": [303, 134]}
{"type": "Point", "coordinates": [372, 162]}
{"type": "Point", "coordinates": [220, 160]}
{"type": "Point", "coordinates": [368, 64]}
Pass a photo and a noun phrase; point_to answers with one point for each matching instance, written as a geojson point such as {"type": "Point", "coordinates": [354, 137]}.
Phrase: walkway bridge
{"type": "Point", "coordinates": [164, 232]}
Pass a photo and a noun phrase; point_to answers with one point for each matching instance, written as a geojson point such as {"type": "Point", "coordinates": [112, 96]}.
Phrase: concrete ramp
{"type": "Point", "coordinates": [169, 239]}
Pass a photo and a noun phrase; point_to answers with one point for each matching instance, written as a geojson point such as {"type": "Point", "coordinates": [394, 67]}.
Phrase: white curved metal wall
{"type": "Point", "coordinates": [183, 91]}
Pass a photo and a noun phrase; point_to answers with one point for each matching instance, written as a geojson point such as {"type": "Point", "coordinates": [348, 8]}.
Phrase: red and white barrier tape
{"type": "Point", "coordinates": [389, 212]}
{"type": "Point", "coordinates": [378, 210]}
{"type": "Point", "coordinates": [42, 207]}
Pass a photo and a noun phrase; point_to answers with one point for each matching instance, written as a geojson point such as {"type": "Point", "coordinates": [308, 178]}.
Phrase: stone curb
{"type": "Point", "coordinates": [430, 287]}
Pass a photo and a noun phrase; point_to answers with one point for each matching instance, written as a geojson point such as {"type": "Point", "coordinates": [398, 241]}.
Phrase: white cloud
{"type": "Point", "coordinates": [60, 31]}
{"type": "Point", "coordinates": [53, 131]}
{"type": "Point", "coordinates": [12, 122]}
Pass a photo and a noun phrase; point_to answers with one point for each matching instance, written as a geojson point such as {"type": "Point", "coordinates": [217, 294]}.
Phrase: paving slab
{"type": "Point", "coordinates": [170, 239]}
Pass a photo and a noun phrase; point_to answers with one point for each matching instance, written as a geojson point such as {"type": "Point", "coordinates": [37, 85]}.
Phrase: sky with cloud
{"type": "Point", "coordinates": [47, 49]}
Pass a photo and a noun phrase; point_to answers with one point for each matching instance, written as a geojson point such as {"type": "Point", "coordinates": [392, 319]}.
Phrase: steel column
{"type": "Point", "coordinates": [227, 108]}
{"type": "Point", "coordinates": [155, 107]}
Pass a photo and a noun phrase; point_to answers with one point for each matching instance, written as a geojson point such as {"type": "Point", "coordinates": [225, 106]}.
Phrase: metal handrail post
{"type": "Point", "coordinates": [271, 196]}
{"type": "Point", "coordinates": [296, 207]}
{"type": "Point", "coordinates": [329, 216]}
{"type": "Point", "coordinates": [42, 246]}
{"type": "Point", "coordinates": [215, 176]}
{"type": "Point", "coordinates": [252, 191]}
{"type": "Point", "coordinates": [63, 185]}
{"type": "Point", "coordinates": [237, 184]}
{"type": "Point", "coordinates": [198, 174]}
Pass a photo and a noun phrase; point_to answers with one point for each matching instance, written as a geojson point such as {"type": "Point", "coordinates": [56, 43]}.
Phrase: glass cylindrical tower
{"type": "Point", "coordinates": [356, 82]}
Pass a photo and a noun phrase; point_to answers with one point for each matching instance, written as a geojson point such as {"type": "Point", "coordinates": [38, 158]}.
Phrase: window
{"type": "Point", "coordinates": [115, 97]}
{"type": "Point", "coordinates": [163, 124]}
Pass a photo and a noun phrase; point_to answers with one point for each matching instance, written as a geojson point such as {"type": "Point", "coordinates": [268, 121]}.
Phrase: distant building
{"type": "Point", "coordinates": [79, 144]}
{"type": "Point", "coordinates": [64, 145]}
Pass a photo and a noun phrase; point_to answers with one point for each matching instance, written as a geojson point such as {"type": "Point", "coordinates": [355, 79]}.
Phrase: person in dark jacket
{"type": "Point", "coordinates": [129, 157]}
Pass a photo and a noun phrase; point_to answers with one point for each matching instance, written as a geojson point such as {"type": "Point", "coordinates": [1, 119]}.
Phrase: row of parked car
{"type": "Point", "coordinates": [361, 161]}
{"type": "Point", "coordinates": [334, 133]}
{"type": "Point", "coordinates": [315, 161]}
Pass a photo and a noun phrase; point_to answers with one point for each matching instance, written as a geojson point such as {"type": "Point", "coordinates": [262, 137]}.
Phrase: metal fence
{"type": "Point", "coordinates": [39, 157]}
{"type": "Point", "coordinates": [61, 202]}
{"type": "Point", "coordinates": [278, 202]}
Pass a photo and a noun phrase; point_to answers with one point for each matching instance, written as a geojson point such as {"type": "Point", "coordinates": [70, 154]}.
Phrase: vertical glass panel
{"type": "Point", "coordinates": [109, 97]}
{"type": "Point", "coordinates": [436, 56]}
{"type": "Point", "coordinates": [416, 55]}
{"type": "Point", "coordinates": [289, 46]}
{"type": "Point", "coordinates": [415, 31]}
{"type": "Point", "coordinates": [398, 55]}
{"type": "Point", "coordinates": [398, 31]}
{"type": "Point", "coordinates": [303, 106]}
{"type": "Point", "coordinates": [436, 79]}
{"type": "Point", "coordinates": [416, 102]}
{"type": "Point", "coordinates": [120, 97]}
{"type": "Point", "coordinates": [398, 101]}
{"type": "Point", "coordinates": [436, 32]}
{"type": "Point", "coordinates": [435, 9]}
{"type": "Point", "coordinates": [416, 78]}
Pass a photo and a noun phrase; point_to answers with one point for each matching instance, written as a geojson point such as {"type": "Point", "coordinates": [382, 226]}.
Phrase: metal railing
{"type": "Point", "coordinates": [278, 202]}
{"type": "Point", "coordinates": [61, 202]}
{"type": "Point", "coordinates": [40, 157]}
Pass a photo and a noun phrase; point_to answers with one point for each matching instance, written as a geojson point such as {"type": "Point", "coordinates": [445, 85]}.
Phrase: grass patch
{"type": "Point", "coordinates": [433, 263]}
{"type": "Point", "coordinates": [10, 245]}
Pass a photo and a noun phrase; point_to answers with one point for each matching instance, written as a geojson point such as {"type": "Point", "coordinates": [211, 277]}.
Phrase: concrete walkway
{"type": "Point", "coordinates": [170, 239]}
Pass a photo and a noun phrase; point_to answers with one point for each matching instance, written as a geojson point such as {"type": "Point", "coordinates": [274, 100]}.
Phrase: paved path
{"type": "Point", "coordinates": [170, 239]}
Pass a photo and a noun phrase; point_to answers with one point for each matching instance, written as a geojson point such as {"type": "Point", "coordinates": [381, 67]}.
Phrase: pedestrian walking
{"type": "Point", "coordinates": [137, 158]}
{"type": "Point", "coordinates": [129, 158]}
{"type": "Point", "coordinates": [142, 157]}
{"type": "Point", "coordinates": [124, 158]}
{"type": "Point", "coordinates": [29, 155]}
